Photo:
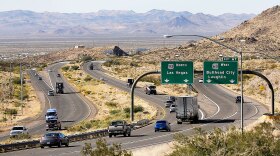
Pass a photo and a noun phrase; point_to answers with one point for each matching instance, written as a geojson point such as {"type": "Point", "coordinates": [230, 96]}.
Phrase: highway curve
{"type": "Point", "coordinates": [72, 108]}
{"type": "Point", "coordinates": [226, 113]}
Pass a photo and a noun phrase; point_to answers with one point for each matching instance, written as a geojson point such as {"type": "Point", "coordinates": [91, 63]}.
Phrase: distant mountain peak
{"type": "Point", "coordinates": [180, 21]}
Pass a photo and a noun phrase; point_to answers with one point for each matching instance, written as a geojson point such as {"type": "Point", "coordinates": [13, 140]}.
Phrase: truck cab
{"type": "Point", "coordinates": [59, 87]}
{"type": "Point", "coordinates": [119, 127]}
{"type": "Point", "coordinates": [151, 89]}
{"type": "Point", "coordinates": [51, 114]}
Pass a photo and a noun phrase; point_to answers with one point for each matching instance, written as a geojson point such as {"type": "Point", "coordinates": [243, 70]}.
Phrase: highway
{"type": "Point", "coordinates": [71, 107]}
{"type": "Point", "coordinates": [218, 110]}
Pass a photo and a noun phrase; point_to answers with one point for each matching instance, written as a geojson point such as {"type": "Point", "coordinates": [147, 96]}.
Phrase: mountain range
{"type": "Point", "coordinates": [115, 22]}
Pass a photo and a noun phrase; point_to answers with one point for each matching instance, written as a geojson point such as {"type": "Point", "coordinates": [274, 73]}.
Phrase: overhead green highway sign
{"type": "Point", "coordinates": [220, 72]}
{"type": "Point", "coordinates": [176, 72]}
{"type": "Point", "coordinates": [230, 58]}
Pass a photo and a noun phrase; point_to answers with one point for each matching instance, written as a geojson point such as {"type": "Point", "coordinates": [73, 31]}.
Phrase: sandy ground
{"type": "Point", "coordinates": [100, 94]}
{"type": "Point", "coordinates": [154, 150]}
{"type": "Point", "coordinates": [30, 111]}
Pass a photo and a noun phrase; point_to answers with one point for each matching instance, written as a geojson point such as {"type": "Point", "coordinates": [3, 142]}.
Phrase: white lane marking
{"type": "Point", "coordinates": [257, 111]}
{"type": "Point", "coordinates": [47, 84]}
{"type": "Point", "coordinates": [202, 114]}
{"type": "Point", "coordinates": [215, 104]}
{"type": "Point", "coordinates": [50, 81]}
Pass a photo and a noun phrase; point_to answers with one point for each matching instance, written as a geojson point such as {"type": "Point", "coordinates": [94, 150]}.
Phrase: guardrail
{"type": "Point", "coordinates": [73, 138]}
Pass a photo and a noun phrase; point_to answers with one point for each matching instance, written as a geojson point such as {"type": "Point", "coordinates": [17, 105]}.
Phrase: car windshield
{"type": "Point", "coordinates": [51, 114]}
{"type": "Point", "coordinates": [169, 101]}
{"type": "Point", "coordinates": [152, 87]}
{"type": "Point", "coordinates": [172, 105]}
{"type": "Point", "coordinates": [50, 91]}
{"type": "Point", "coordinates": [17, 128]}
{"type": "Point", "coordinates": [115, 123]}
{"type": "Point", "coordinates": [52, 135]}
{"type": "Point", "coordinates": [161, 122]}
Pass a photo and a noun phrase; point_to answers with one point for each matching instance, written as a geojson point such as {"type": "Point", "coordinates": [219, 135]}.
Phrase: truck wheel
{"type": "Point", "coordinates": [59, 144]}
{"type": "Point", "coordinates": [178, 122]}
{"type": "Point", "coordinates": [129, 134]}
{"type": "Point", "coordinates": [155, 93]}
{"type": "Point", "coordinates": [124, 134]}
{"type": "Point", "coordinates": [110, 135]}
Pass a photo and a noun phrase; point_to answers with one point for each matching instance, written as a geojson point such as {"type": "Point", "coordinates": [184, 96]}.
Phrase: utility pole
{"type": "Point", "coordinates": [21, 88]}
{"type": "Point", "coordinates": [10, 81]}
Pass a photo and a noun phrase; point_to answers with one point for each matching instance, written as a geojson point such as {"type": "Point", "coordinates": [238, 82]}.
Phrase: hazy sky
{"type": "Point", "coordinates": [214, 7]}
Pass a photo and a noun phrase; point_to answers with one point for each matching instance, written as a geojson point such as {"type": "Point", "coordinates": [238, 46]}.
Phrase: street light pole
{"type": "Point", "coordinates": [233, 49]}
{"type": "Point", "coordinates": [241, 79]}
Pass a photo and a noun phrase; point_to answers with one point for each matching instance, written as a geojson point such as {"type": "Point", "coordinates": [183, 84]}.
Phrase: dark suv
{"type": "Point", "coordinates": [151, 89]}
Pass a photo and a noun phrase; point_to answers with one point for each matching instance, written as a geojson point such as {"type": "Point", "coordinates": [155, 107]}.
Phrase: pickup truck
{"type": "Point", "coordinates": [119, 127]}
{"type": "Point", "coordinates": [53, 125]}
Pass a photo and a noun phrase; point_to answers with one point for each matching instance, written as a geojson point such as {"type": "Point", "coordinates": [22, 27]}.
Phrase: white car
{"type": "Point", "coordinates": [200, 80]}
{"type": "Point", "coordinates": [50, 93]}
{"type": "Point", "coordinates": [168, 103]}
{"type": "Point", "coordinates": [172, 108]}
{"type": "Point", "coordinates": [17, 130]}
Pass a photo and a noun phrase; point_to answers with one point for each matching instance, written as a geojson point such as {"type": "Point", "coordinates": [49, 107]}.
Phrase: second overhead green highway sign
{"type": "Point", "coordinates": [220, 72]}
{"type": "Point", "coordinates": [176, 72]}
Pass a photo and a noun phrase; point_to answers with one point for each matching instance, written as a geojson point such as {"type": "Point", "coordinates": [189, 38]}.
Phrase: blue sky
{"type": "Point", "coordinates": [214, 7]}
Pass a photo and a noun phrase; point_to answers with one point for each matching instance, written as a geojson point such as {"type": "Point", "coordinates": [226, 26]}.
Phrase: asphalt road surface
{"type": "Point", "coordinates": [71, 107]}
{"type": "Point", "coordinates": [226, 113]}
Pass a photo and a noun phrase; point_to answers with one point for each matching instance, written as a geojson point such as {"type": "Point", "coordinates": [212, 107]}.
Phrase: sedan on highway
{"type": "Point", "coordinates": [54, 139]}
{"type": "Point", "coordinates": [50, 93]}
{"type": "Point", "coordinates": [17, 130]}
{"type": "Point", "coordinates": [168, 103]}
{"type": "Point", "coordinates": [162, 125]}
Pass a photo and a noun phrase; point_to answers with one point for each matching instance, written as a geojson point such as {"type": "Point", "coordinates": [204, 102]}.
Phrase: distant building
{"type": "Point", "coordinates": [79, 46]}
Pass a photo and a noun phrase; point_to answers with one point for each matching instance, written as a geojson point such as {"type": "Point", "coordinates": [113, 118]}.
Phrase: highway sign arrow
{"type": "Point", "coordinates": [186, 80]}
{"type": "Point", "coordinates": [208, 80]}
{"type": "Point", "coordinates": [231, 81]}
{"type": "Point", "coordinates": [166, 80]}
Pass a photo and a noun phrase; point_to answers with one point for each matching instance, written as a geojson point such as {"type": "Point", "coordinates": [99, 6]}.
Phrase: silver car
{"type": "Point", "coordinates": [17, 130]}
{"type": "Point", "coordinates": [168, 103]}
{"type": "Point", "coordinates": [172, 108]}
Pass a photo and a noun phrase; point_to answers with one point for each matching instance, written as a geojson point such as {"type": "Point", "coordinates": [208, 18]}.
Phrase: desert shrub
{"type": "Point", "coordinates": [111, 104]}
{"type": "Point", "coordinates": [126, 110]}
{"type": "Point", "coordinates": [3, 119]}
{"type": "Point", "coordinates": [17, 104]}
{"type": "Point", "coordinates": [152, 79]}
{"type": "Point", "coordinates": [134, 64]}
{"type": "Point", "coordinates": [87, 78]}
{"type": "Point", "coordinates": [103, 149]}
{"type": "Point", "coordinates": [17, 80]}
{"type": "Point", "coordinates": [21, 137]}
{"type": "Point", "coordinates": [86, 58]}
{"type": "Point", "coordinates": [259, 141]}
{"type": "Point", "coordinates": [138, 109]}
{"type": "Point", "coordinates": [11, 111]}
{"type": "Point", "coordinates": [111, 62]}
{"type": "Point", "coordinates": [65, 68]}
{"type": "Point", "coordinates": [17, 94]}
{"type": "Point", "coordinates": [114, 111]}
{"type": "Point", "coordinates": [74, 67]}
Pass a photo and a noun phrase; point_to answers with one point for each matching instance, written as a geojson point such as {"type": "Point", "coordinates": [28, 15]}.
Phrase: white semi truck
{"type": "Point", "coordinates": [187, 109]}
